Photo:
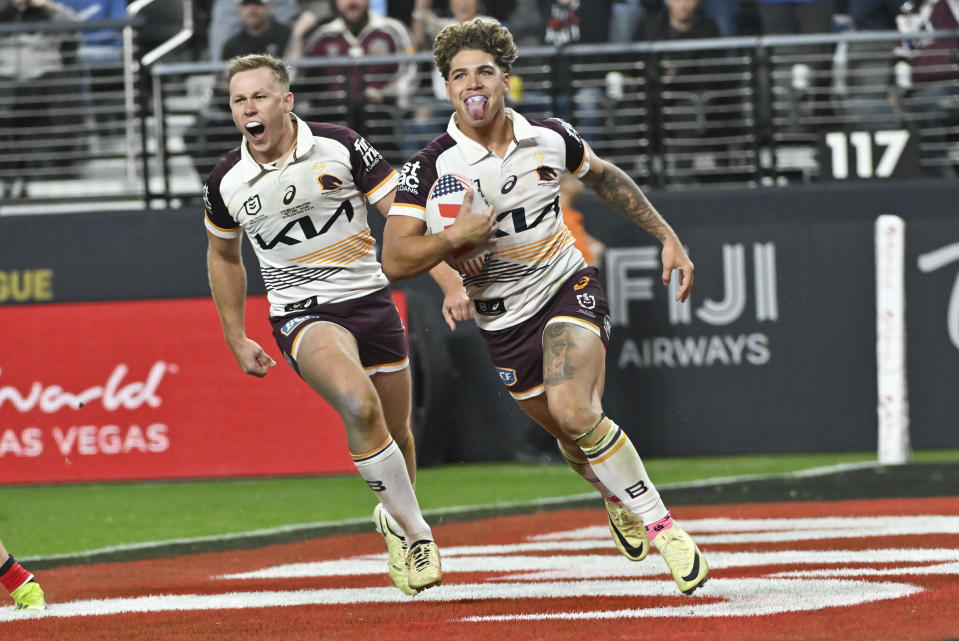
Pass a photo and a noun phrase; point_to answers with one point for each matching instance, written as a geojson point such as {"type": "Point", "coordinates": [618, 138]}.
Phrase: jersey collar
{"type": "Point", "coordinates": [473, 152]}
{"type": "Point", "coordinates": [304, 145]}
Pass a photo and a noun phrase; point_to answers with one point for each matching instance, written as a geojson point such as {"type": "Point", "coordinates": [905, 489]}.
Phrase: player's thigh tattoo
{"type": "Point", "coordinates": [558, 342]}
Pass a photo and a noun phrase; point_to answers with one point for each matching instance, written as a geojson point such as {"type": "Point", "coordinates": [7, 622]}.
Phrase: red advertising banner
{"type": "Point", "coordinates": [149, 390]}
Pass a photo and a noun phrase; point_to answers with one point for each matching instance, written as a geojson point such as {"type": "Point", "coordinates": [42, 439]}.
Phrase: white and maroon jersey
{"type": "Point", "coordinates": [306, 216]}
{"type": "Point", "coordinates": [534, 250]}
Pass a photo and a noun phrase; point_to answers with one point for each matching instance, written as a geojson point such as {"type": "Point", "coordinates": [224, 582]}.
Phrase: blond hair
{"type": "Point", "coordinates": [482, 35]}
{"type": "Point", "coordinates": [281, 72]}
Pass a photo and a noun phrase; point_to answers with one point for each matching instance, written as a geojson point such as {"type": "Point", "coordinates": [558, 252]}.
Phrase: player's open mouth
{"type": "Point", "coordinates": [256, 130]}
{"type": "Point", "coordinates": [476, 106]}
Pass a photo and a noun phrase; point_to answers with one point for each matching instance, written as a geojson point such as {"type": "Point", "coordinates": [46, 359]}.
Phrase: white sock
{"type": "Point", "coordinates": [384, 470]}
{"type": "Point", "coordinates": [618, 466]}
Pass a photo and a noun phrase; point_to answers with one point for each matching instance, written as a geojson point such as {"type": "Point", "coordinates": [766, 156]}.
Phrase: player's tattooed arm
{"type": "Point", "coordinates": [620, 192]}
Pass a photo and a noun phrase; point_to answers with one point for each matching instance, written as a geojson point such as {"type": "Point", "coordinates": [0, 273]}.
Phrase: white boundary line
{"type": "Point", "coordinates": [350, 523]}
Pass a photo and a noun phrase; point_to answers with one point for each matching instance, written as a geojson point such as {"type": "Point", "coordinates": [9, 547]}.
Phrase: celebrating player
{"type": "Point", "coordinates": [26, 592]}
{"type": "Point", "coordinates": [539, 307]}
{"type": "Point", "coordinates": [298, 190]}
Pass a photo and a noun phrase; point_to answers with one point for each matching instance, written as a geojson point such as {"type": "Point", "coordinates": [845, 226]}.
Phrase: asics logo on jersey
{"type": "Point", "coordinates": [583, 282]}
{"type": "Point", "coordinates": [289, 195]}
{"type": "Point", "coordinates": [307, 228]}
{"type": "Point", "coordinates": [409, 179]}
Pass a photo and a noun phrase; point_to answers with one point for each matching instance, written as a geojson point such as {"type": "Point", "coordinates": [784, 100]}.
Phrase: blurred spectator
{"type": "Point", "coordinates": [260, 33]}
{"type": "Point", "coordinates": [226, 20]}
{"type": "Point", "coordinates": [313, 14]}
{"type": "Point", "coordinates": [39, 91]}
{"type": "Point", "coordinates": [680, 20]}
{"type": "Point", "coordinates": [804, 74]}
{"type": "Point", "coordinates": [863, 77]}
{"type": "Point", "coordinates": [725, 13]}
{"type": "Point", "coordinates": [426, 23]}
{"type": "Point", "coordinates": [577, 95]}
{"type": "Point", "coordinates": [370, 98]}
{"type": "Point", "coordinates": [214, 133]}
{"type": "Point", "coordinates": [928, 76]}
{"type": "Point", "coordinates": [682, 81]}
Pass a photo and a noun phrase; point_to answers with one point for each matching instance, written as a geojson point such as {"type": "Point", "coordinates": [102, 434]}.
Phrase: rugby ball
{"type": "Point", "coordinates": [443, 205]}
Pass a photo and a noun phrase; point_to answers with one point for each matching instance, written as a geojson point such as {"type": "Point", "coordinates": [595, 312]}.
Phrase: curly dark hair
{"type": "Point", "coordinates": [482, 35]}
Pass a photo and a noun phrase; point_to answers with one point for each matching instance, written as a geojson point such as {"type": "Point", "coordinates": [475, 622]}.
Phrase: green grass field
{"type": "Point", "coordinates": [60, 519]}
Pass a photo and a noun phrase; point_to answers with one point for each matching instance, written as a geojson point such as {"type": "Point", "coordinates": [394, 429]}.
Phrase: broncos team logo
{"type": "Point", "coordinates": [545, 174]}
{"type": "Point", "coordinates": [329, 182]}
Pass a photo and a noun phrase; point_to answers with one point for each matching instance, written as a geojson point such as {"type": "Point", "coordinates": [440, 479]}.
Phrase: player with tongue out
{"type": "Point", "coordinates": [539, 307]}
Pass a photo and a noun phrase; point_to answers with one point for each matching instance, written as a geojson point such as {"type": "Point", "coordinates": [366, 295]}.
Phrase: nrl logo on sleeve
{"type": "Point", "coordinates": [252, 205]}
{"type": "Point", "coordinates": [409, 179]}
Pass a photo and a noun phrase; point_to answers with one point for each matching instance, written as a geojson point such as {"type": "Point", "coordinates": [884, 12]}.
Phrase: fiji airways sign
{"type": "Point", "coordinates": [633, 275]}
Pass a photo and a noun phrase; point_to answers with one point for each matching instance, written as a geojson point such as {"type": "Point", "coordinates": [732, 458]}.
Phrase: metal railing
{"type": "Point", "coordinates": [693, 114]}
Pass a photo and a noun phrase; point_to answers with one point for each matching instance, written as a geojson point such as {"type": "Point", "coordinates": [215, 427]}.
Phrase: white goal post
{"type": "Point", "coordinates": [893, 407]}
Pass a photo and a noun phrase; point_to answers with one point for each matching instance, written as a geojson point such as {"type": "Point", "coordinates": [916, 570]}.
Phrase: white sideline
{"type": "Point", "coordinates": [286, 529]}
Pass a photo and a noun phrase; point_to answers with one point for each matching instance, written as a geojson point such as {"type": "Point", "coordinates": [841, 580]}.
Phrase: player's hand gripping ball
{"type": "Point", "coordinates": [442, 206]}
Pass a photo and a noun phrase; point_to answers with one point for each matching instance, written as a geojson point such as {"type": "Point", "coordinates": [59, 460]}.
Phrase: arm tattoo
{"type": "Point", "coordinates": [619, 191]}
{"type": "Point", "coordinates": [557, 343]}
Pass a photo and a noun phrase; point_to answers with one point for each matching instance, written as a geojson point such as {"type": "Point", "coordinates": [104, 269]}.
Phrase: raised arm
{"type": "Point", "coordinates": [620, 192]}
{"type": "Point", "coordinates": [228, 285]}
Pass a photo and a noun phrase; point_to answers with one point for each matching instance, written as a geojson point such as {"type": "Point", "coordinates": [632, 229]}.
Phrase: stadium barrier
{"type": "Point", "coordinates": [774, 352]}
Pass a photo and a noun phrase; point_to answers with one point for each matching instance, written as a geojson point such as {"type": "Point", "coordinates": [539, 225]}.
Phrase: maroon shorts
{"type": "Point", "coordinates": [517, 352]}
{"type": "Point", "coordinates": [372, 320]}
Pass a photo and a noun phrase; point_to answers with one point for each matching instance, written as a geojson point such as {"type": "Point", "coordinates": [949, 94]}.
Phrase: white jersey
{"type": "Point", "coordinates": [305, 217]}
{"type": "Point", "coordinates": [534, 249]}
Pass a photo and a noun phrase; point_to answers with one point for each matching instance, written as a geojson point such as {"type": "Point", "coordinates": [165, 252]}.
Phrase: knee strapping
{"type": "Point", "coordinates": [593, 435]}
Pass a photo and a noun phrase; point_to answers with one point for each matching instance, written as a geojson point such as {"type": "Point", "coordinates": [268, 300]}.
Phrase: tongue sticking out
{"type": "Point", "coordinates": [476, 106]}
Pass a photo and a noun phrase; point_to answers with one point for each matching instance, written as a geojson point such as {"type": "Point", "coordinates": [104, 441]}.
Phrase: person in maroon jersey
{"type": "Point", "coordinates": [371, 98]}
{"type": "Point", "coordinates": [539, 306]}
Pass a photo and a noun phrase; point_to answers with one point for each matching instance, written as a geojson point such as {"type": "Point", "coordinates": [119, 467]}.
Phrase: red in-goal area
{"type": "Point", "coordinates": [844, 571]}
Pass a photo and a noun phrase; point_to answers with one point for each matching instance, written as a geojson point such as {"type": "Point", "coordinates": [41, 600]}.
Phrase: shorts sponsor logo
{"type": "Point", "coordinates": [583, 282]}
{"type": "Point", "coordinates": [494, 307]}
{"type": "Point", "coordinates": [293, 323]}
{"type": "Point", "coordinates": [507, 375]}
{"type": "Point", "coordinates": [586, 301]}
